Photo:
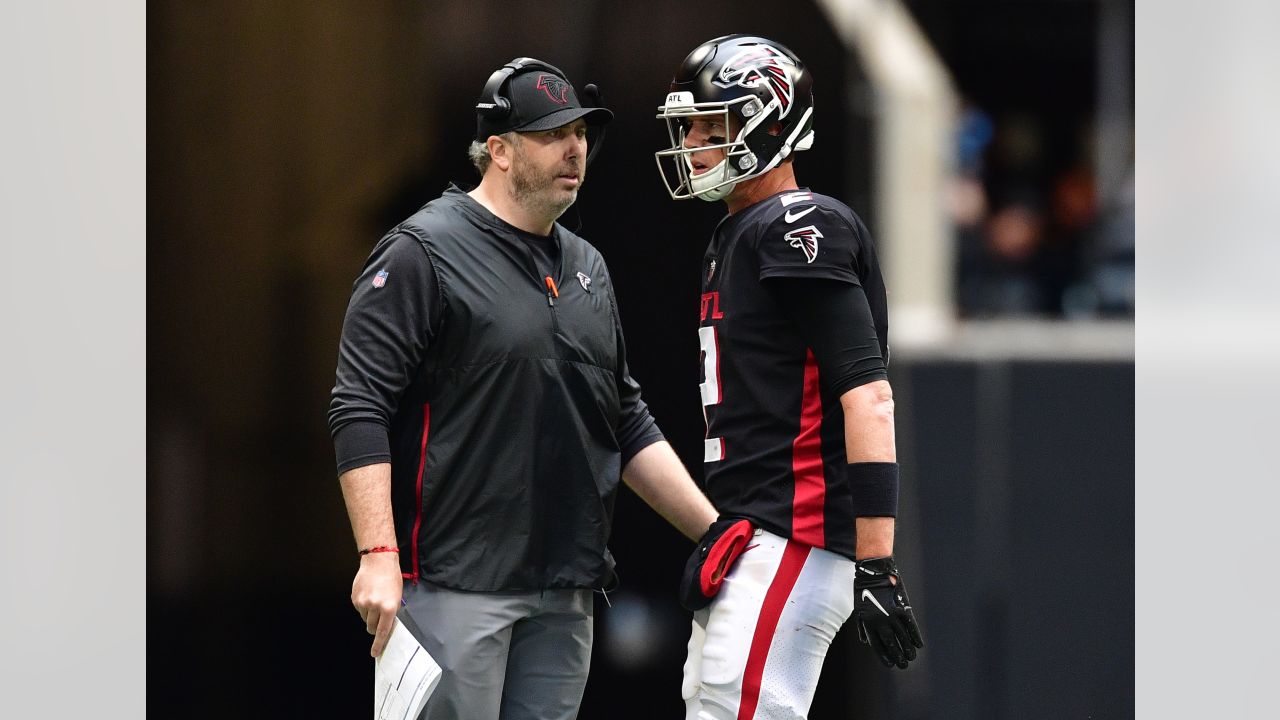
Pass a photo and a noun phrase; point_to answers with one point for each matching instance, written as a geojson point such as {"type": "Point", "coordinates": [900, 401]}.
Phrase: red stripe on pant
{"type": "Point", "coordinates": [775, 600]}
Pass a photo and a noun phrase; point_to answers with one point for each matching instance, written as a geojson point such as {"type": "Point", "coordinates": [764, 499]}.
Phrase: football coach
{"type": "Point", "coordinates": [483, 416]}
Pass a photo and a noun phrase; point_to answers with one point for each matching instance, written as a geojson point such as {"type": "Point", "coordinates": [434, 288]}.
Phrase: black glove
{"type": "Point", "coordinates": [883, 613]}
{"type": "Point", "coordinates": [710, 562]}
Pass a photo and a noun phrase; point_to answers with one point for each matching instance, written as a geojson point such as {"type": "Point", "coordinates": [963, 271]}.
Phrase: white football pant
{"type": "Point", "coordinates": [756, 651]}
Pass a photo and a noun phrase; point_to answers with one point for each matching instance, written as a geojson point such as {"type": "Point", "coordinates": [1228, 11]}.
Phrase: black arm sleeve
{"type": "Point", "coordinates": [387, 329]}
{"type": "Point", "coordinates": [834, 320]}
{"type": "Point", "coordinates": [636, 427]}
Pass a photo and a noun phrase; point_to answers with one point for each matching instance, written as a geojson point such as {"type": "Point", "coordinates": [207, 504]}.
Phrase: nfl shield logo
{"type": "Point", "coordinates": [380, 279]}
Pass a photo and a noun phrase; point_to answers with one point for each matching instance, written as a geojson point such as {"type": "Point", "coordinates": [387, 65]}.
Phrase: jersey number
{"type": "Point", "coordinates": [712, 448]}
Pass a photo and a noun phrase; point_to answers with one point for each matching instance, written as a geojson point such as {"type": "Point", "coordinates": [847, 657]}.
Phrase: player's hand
{"type": "Point", "coordinates": [376, 593]}
{"type": "Point", "coordinates": [883, 613]}
{"type": "Point", "coordinates": [711, 561]}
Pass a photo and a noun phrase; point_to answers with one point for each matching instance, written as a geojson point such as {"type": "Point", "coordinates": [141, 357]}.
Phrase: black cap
{"type": "Point", "coordinates": [528, 95]}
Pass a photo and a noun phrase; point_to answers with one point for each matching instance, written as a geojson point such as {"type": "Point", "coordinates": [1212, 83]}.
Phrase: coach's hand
{"type": "Point", "coordinates": [376, 594]}
{"type": "Point", "coordinates": [883, 613]}
{"type": "Point", "coordinates": [712, 559]}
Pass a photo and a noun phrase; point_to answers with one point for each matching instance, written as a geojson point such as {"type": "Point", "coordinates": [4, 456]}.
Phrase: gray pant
{"type": "Point", "coordinates": [505, 656]}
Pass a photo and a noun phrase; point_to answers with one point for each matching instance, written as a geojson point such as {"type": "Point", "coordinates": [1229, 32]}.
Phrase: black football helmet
{"type": "Point", "coordinates": [751, 84]}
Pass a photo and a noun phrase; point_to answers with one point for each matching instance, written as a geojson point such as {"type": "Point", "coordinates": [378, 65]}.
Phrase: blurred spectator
{"type": "Point", "coordinates": [997, 249]}
{"type": "Point", "coordinates": [1031, 237]}
{"type": "Point", "coordinates": [1107, 287]}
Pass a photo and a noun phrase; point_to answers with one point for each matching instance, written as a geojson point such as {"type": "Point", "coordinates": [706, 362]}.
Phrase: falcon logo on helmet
{"type": "Point", "coordinates": [761, 64]}
{"type": "Point", "coordinates": [806, 239]}
{"type": "Point", "coordinates": [555, 88]}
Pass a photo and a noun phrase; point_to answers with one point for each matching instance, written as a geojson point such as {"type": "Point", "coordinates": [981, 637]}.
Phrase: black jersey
{"type": "Point", "coordinates": [775, 448]}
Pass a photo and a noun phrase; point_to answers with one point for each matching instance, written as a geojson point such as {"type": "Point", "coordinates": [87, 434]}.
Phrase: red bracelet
{"type": "Point", "coordinates": [380, 548]}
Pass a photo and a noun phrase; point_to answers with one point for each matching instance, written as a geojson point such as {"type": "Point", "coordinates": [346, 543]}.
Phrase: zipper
{"type": "Point", "coordinates": [553, 292]}
{"type": "Point", "coordinates": [548, 283]}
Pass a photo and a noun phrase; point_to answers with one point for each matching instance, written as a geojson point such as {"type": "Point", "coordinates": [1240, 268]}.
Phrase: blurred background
{"type": "Point", "coordinates": [987, 143]}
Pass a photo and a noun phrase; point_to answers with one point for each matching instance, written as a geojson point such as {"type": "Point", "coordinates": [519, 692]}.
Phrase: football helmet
{"type": "Point", "coordinates": [760, 92]}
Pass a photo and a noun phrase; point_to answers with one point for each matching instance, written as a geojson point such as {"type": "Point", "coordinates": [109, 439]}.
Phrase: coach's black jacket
{"type": "Point", "coordinates": [506, 411]}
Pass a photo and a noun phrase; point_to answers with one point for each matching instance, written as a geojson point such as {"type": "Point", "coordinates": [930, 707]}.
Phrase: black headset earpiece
{"type": "Point", "coordinates": [494, 105]}
{"type": "Point", "coordinates": [592, 98]}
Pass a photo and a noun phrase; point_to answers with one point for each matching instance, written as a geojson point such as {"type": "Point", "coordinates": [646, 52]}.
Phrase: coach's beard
{"type": "Point", "coordinates": [538, 193]}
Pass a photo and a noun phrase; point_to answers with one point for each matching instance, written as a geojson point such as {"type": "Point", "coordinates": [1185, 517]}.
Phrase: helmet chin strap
{"type": "Point", "coordinates": [701, 184]}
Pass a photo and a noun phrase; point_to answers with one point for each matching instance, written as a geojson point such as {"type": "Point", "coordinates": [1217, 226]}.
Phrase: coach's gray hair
{"type": "Point", "coordinates": [478, 151]}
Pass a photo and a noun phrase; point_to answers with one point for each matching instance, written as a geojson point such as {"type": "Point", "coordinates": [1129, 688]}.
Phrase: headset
{"type": "Point", "coordinates": [494, 106]}
{"type": "Point", "coordinates": [498, 105]}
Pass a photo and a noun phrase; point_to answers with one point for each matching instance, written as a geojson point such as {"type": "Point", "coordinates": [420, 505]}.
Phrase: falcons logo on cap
{"type": "Point", "coordinates": [761, 64]}
{"type": "Point", "coordinates": [555, 88]}
{"type": "Point", "coordinates": [805, 238]}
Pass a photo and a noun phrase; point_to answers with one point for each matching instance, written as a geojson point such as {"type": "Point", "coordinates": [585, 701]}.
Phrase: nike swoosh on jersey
{"type": "Point", "coordinates": [866, 595]}
{"type": "Point", "coordinates": [790, 217]}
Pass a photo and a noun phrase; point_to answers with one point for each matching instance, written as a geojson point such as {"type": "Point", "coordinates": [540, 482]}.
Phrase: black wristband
{"type": "Point", "coordinates": [874, 488]}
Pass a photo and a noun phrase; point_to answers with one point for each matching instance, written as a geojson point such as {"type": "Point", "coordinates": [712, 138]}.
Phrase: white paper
{"type": "Point", "coordinates": [403, 678]}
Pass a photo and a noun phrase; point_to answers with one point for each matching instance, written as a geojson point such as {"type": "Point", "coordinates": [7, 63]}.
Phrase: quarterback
{"type": "Point", "coordinates": [799, 456]}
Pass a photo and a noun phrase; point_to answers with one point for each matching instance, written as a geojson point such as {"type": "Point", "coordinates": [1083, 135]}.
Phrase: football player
{"type": "Point", "coordinates": [799, 454]}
